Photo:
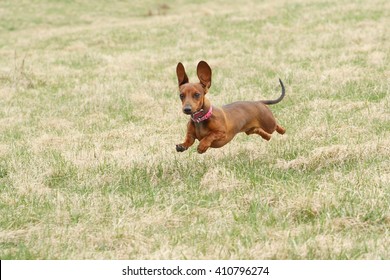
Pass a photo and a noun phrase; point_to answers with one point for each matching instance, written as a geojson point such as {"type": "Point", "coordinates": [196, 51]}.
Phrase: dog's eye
{"type": "Point", "coordinates": [197, 95]}
{"type": "Point", "coordinates": [181, 96]}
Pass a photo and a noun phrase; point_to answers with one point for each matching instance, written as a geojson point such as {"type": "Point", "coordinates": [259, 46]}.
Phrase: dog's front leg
{"type": "Point", "coordinates": [206, 142]}
{"type": "Point", "coordinates": [190, 138]}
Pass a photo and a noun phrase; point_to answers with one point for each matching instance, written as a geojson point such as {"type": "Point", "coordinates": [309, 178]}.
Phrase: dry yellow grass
{"type": "Point", "coordinates": [89, 119]}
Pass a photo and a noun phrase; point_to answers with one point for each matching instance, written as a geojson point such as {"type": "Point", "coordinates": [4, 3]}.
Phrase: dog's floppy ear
{"type": "Point", "coordinates": [204, 74]}
{"type": "Point", "coordinates": [181, 74]}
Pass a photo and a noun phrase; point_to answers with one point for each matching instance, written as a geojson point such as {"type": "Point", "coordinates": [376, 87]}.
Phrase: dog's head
{"type": "Point", "coordinates": [192, 94]}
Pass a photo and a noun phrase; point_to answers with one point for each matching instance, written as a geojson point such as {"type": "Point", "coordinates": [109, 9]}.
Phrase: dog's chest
{"type": "Point", "coordinates": [201, 130]}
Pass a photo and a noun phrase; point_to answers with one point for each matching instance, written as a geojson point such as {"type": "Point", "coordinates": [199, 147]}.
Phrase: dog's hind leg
{"type": "Point", "coordinates": [280, 129]}
{"type": "Point", "coordinates": [259, 131]}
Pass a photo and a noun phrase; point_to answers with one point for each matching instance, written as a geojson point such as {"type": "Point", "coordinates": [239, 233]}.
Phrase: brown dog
{"type": "Point", "coordinates": [214, 127]}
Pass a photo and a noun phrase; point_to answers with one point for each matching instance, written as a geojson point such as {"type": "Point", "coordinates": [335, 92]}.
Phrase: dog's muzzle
{"type": "Point", "coordinates": [187, 110]}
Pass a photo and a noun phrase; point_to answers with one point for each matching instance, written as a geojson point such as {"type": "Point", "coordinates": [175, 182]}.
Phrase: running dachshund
{"type": "Point", "coordinates": [214, 127]}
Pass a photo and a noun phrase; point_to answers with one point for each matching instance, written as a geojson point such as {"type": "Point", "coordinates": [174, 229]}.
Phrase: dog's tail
{"type": "Point", "coordinates": [270, 102]}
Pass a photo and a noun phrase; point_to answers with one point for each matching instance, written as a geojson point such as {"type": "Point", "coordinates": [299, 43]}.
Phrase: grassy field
{"type": "Point", "coordinates": [90, 115]}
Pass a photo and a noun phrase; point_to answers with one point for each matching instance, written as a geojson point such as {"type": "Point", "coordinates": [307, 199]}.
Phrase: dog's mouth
{"type": "Point", "coordinates": [188, 110]}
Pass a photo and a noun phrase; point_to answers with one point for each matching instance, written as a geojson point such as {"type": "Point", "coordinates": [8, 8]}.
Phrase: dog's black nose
{"type": "Point", "coordinates": [187, 110]}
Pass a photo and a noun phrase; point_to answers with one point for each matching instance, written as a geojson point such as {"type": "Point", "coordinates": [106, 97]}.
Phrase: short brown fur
{"type": "Point", "coordinates": [251, 117]}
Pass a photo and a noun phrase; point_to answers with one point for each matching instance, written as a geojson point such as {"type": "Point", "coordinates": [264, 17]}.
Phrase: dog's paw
{"type": "Point", "coordinates": [201, 149]}
{"type": "Point", "coordinates": [180, 148]}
